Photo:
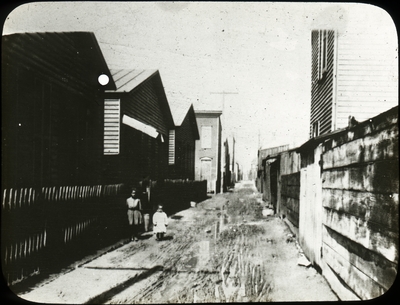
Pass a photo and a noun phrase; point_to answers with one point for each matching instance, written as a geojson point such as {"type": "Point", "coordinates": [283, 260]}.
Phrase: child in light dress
{"type": "Point", "coordinates": [160, 223]}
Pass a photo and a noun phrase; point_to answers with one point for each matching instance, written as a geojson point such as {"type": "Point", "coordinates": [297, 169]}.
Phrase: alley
{"type": "Point", "coordinates": [222, 250]}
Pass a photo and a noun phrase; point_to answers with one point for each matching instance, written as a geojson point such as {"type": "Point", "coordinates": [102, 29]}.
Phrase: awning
{"type": "Point", "coordinates": [147, 129]}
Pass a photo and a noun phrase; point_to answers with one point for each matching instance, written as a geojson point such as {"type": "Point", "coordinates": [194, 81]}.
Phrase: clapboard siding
{"type": "Point", "coordinates": [361, 78]}
{"type": "Point", "coordinates": [322, 89]}
{"type": "Point", "coordinates": [145, 106]}
{"type": "Point", "coordinates": [366, 76]}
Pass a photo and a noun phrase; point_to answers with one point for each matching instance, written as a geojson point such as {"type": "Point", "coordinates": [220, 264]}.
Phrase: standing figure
{"type": "Point", "coordinates": [134, 214]}
{"type": "Point", "coordinates": [160, 223]}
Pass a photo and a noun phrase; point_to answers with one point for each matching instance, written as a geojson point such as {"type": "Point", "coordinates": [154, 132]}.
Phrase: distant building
{"type": "Point", "coordinates": [208, 149]}
{"type": "Point", "coordinates": [182, 145]}
{"type": "Point", "coordinates": [229, 167]}
{"type": "Point", "coordinates": [137, 124]}
{"type": "Point", "coordinates": [354, 77]}
{"type": "Point", "coordinates": [268, 167]}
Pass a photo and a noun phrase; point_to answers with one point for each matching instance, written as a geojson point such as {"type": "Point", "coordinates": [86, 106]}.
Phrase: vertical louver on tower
{"type": "Point", "coordinates": [171, 158]}
{"type": "Point", "coordinates": [111, 126]}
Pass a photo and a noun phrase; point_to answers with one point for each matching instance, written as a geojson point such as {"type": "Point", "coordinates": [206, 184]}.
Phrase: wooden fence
{"type": "Point", "coordinates": [53, 226]}
{"type": "Point", "coordinates": [345, 202]}
{"type": "Point", "coordinates": [289, 186]}
{"type": "Point", "coordinates": [360, 199]}
{"type": "Point", "coordinates": [40, 226]}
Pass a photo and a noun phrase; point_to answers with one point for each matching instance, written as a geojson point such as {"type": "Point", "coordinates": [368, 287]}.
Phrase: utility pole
{"type": "Point", "coordinates": [223, 98]}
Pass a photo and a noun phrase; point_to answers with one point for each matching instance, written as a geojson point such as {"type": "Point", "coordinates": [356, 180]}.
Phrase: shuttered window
{"type": "Point", "coordinates": [315, 129]}
{"type": "Point", "coordinates": [111, 126]}
{"type": "Point", "coordinates": [323, 58]}
{"type": "Point", "coordinates": [171, 156]}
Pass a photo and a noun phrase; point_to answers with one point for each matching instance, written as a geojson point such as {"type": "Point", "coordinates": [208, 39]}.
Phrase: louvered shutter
{"type": "Point", "coordinates": [111, 126]}
{"type": "Point", "coordinates": [171, 158]}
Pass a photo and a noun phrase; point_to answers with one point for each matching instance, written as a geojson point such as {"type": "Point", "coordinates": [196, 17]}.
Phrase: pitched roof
{"type": "Point", "coordinates": [128, 79]}
{"type": "Point", "coordinates": [180, 105]}
{"type": "Point", "coordinates": [74, 55]}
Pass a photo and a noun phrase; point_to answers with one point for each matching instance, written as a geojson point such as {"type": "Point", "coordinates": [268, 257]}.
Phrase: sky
{"type": "Point", "coordinates": [258, 53]}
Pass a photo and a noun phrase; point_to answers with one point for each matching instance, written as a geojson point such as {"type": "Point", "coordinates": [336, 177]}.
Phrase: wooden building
{"type": "Point", "coordinates": [52, 106]}
{"type": "Point", "coordinates": [182, 145]}
{"type": "Point", "coordinates": [52, 147]}
{"type": "Point", "coordinates": [354, 74]}
{"type": "Point", "coordinates": [208, 149]}
{"type": "Point", "coordinates": [266, 157]}
{"type": "Point", "coordinates": [137, 124]}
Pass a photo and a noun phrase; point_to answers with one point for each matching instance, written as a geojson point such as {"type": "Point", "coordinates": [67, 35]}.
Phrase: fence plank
{"type": "Point", "coordinates": [14, 205]}
{"type": "Point", "coordinates": [379, 208]}
{"type": "Point", "coordinates": [378, 177]}
{"type": "Point", "coordinates": [367, 234]}
{"type": "Point", "coordinates": [20, 198]}
{"type": "Point", "coordinates": [29, 198]}
{"type": "Point", "coordinates": [3, 204]}
{"type": "Point", "coordinates": [360, 283]}
{"type": "Point", "coordinates": [378, 146]}
{"type": "Point", "coordinates": [373, 265]}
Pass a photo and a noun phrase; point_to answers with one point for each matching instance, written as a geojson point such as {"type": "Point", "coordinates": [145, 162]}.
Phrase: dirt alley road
{"type": "Point", "coordinates": [223, 250]}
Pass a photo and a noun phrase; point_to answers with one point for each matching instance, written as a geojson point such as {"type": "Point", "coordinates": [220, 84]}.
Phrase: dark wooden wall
{"type": "Point", "coordinates": [185, 147]}
{"type": "Point", "coordinates": [51, 110]}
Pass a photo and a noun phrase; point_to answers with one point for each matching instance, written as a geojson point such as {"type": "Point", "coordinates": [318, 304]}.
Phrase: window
{"type": "Point", "coordinates": [315, 129]}
{"type": "Point", "coordinates": [171, 156]}
{"type": "Point", "coordinates": [206, 132]}
{"type": "Point", "coordinates": [111, 126]}
{"type": "Point", "coordinates": [323, 56]}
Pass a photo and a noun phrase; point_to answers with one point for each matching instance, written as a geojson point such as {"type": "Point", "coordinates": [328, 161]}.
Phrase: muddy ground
{"type": "Point", "coordinates": [223, 250]}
